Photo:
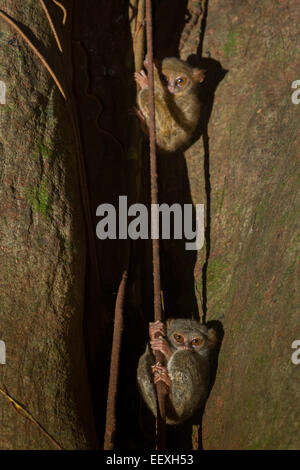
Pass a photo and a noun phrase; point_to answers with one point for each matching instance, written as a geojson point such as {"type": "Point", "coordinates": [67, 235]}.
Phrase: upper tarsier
{"type": "Point", "coordinates": [177, 107]}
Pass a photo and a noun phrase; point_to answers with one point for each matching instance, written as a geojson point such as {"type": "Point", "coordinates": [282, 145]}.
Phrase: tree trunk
{"type": "Point", "coordinates": [253, 269]}
{"type": "Point", "coordinates": [42, 241]}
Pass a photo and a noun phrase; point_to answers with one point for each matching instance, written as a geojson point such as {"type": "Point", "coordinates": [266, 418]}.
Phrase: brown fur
{"type": "Point", "coordinates": [176, 113]}
{"type": "Point", "coordinates": [189, 371]}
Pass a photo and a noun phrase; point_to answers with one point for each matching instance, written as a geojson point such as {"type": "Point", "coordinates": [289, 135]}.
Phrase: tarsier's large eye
{"type": "Point", "coordinates": [197, 341]}
{"type": "Point", "coordinates": [178, 338]}
{"type": "Point", "coordinates": [165, 78]}
{"type": "Point", "coordinates": [180, 81]}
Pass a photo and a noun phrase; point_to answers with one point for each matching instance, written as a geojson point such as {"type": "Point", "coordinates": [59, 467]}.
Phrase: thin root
{"type": "Point", "coordinates": [42, 59]}
{"type": "Point", "coordinates": [63, 9]}
{"type": "Point", "coordinates": [20, 409]}
{"type": "Point", "coordinates": [51, 24]}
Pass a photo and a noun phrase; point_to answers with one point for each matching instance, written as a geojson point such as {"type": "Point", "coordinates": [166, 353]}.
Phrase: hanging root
{"type": "Point", "coordinates": [51, 24]}
{"type": "Point", "coordinates": [63, 9]}
{"type": "Point", "coordinates": [160, 389]}
{"type": "Point", "coordinates": [110, 424]}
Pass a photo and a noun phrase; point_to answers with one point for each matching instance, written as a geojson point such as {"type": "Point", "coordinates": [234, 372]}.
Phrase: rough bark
{"type": "Point", "coordinates": [42, 264]}
{"type": "Point", "coordinates": [253, 268]}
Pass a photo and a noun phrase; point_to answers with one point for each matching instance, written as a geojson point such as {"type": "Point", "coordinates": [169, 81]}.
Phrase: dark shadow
{"type": "Point", "coordinates": [169, 19]}
{"type": "Point", "coordinates": [214, 75]}
{"type": "Point", "coordinates": [177, 264]}
{"type": "Point", "coordinates": [104, 92]}
{"type": "Point", "coordinates": [218, 327]}
{"type": "Point", "coordinates": [202, 31]}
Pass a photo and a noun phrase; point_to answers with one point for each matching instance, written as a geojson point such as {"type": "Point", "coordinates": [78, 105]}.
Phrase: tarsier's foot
{"type": "Point", "coordinates": [141, 78]}
{"type": "Point", "coordinates": [161, 344]}
{"type": "Point", "coordinates": [157, 328]}
{"type": "Point", "coordinates": [136, 112]}
{"type": "Point", "coordinates": [142, 120]}
{"type": "Point", "coordinates": [160, 373]}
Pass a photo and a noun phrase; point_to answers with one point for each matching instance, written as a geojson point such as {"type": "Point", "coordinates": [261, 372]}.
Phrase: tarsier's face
{"type": "Point", "coordinates": [174, 83]}
{"type": "Point", "coordinates": [189, 341]}
{"type": "Point", "coordinates": [179, 77]}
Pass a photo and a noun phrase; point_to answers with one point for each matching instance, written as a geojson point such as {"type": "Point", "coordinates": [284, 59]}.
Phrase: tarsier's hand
{"type": "Point", "coordinates": [160, 344]}
{"type": "Point", "coordinates": [156, 329]}
{"type": "Point", "coordinates": [156, 332]}
{"type": "Point", "coordinates": [141, 78]}
{"type": "Point", "coordinates": [160, 373]}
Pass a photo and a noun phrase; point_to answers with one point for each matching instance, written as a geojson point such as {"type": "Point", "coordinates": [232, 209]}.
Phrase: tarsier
{"type": "Point", "coordinates": [177, 107]}
{"type": "Point", "coordinates": [186, 346]}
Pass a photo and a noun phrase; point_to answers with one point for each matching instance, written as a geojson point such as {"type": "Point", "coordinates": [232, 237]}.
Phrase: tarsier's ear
{"type": "Point", "coordinates": [169, 321]}
{"type": "Point", "coordinates": [199, 75]}
{"type": "Point", "coordinates": [212, 338]}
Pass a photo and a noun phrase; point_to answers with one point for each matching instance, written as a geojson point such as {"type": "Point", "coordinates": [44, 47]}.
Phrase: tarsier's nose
{"type": "Point", "coordinates": [186, 346]}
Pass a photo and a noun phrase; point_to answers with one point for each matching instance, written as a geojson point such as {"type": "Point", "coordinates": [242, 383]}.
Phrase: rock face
{"type": "Point", "coordinates": [42, 252]}
{"type": "Point", "coordinates": [253, 266]}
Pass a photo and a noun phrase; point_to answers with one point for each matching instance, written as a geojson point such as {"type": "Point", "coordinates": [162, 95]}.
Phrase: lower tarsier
{"type": "Point", "coordinates": [186, 346]}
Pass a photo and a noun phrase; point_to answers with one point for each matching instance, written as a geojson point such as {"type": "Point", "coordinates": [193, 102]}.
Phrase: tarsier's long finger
{"type": "Point", "coordinates": [140, 115]}
{"type": "Point", "coordinates": [160, 344]}
{"type": "Point", "coordinates": [158, 325]}
{"type": "Point", "coordinates": [157, 367]}
{"type": "Point", "coordinates": [160, 341]}
{"type": "Point", "coordinates": [157, 329]}
{"type": "Point", "coordinates": [156, 344]}
{"type": "Point", "coordinates": [157, 364]}
{"type": "Point", "coordinates": [155, 324]}
{"type": "Point", "coordinates": [161, 371]}
{"type": "Point", "coordinates": [141, 79]}
{"type": "Point", "coordinates": [138, 77]}
{"type": "Point", "coordinates": [158, 370]}
{"type": "Point", "coordinates": [163, 377]}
